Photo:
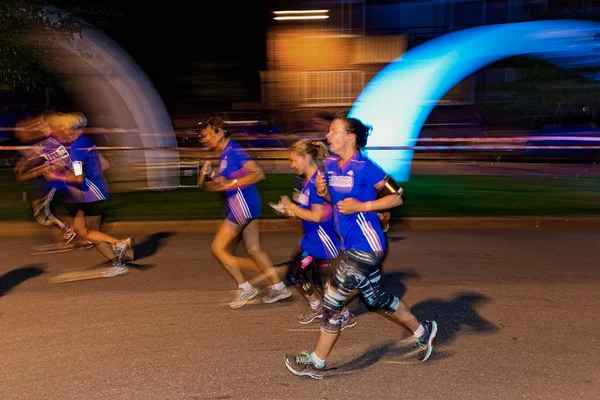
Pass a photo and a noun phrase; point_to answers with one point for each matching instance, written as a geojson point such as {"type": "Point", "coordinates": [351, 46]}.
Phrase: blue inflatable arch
{"type": "Point", "coordinates": [397, 101]}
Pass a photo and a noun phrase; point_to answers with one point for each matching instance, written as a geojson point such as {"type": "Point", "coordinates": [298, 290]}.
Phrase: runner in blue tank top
{"type": "Point", "coordinates": [352, 183]}
{"type": "Point", "coordinates": [318, 247]}
{"type": "Point", "coordinates": [45, 152]}
{"type": "Point", "coordinates": [89, 189]}
{"type": "Point", "coordinates": [237, 177]}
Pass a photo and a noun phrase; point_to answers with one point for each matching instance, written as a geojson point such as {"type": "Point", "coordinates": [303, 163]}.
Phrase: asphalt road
{"type": "Point", "coordinates": [517, 311]}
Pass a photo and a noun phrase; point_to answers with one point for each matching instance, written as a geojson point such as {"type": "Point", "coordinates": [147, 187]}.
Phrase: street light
{"type": "Point", "coordinates": [300, 15]}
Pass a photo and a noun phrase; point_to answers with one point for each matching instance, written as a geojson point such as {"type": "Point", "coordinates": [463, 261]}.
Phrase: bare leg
{"type": "Point", "coordinates": [80, 225]}
{"type": "Point", "coordinates": [325, 344]}
{"type": "Point", "coordinates": [221, 246]}
{"type": "Point", "coordinates": [404, 317]}
{"type": "Point", "coordinates": [311, 298]}
{"type": "Point", "coordinates": [100, 237]}
{"type": "Point", "coordinates": [93, 223]}
{"type": "Point", "coordinates": [252, 242]}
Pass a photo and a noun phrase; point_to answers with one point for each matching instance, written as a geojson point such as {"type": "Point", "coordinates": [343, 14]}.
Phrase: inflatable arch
{"type": "Point", "coordinates": [398, 100]}
{"type": "Point", "coordinates": [105, 81]}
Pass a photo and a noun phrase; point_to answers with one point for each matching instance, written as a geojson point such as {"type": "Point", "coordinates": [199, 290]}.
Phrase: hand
{"type": "Point", "coordinates": [218, 185]}
{"type": "Point", "coordinates": [320, 184]}
{"type": "Point", "coordinates": [286, 202]}
{"type": "Point", "coordinates": [50, 174]}
{"type": "Point", "coordinates": [206, 169]}
{"type": "Point", "coordinates": [287, 206]}
{"type": "Point", "coordinates": [54, 177]}
{"type": "Point", "coordinates": [349, 206]}
{"type": "Point", "coordinates": [46, 169]}
{"type": "Point", "coordinates": [296, 195]}
{"type": "Point", "coordinates": [285, 213]}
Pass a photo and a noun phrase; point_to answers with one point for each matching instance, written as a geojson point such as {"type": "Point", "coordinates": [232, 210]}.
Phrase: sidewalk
{"type": "Point", "coordinates": [12, 229]}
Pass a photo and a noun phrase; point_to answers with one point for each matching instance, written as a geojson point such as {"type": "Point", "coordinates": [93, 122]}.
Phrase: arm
{"type": "Point", "coordinates": [25, 170]}
{"type": "Point", "coordinates": [322, 188]}
{"type": "Point", "coordinates": [390, 196]}
{"type": "Point", "coordinates": [325, 196]}
{"type": "Point", "coordinates": [255, 175]}
{"type": "Point", "coordinates": [74, 177]}
{"type": "Point", "coordinates": [313, 215]}
{"type": "Point", "coordinates": [24, 173]}
{"type": "Point", "coordinates": [32, 174]}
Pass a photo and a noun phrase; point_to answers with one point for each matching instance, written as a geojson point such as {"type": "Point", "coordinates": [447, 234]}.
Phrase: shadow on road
{"type": "Point", "coordinates": [394, 239]}
{"type": "Point", "coordinates": [453, 316]}
{"type": "Point", "coordinates": [17, 276]}
{"type": "Point", "coordinates": [396, 352]}
{"type": "Point", "coordinates": [149, 245]}
{"type": "Point", "coordinates": [456, 315]}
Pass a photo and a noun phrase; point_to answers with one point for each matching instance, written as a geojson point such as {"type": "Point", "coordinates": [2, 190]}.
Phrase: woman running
{"type": "Point", "coordinates": [318, 247]}
{"type": "Point", "coordinates": [89, 190]}
{"type": "Point", "coordinates": [351, 183]}
{"type": "Point", "coordinates": [237, 177]}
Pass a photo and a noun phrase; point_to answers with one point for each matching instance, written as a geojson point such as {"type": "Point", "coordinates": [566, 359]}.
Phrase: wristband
{"type": "Point", "coordinates": [369, 206]}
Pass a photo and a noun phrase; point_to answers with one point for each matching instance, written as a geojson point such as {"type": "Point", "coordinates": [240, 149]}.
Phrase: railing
{"type": "Point", "coordinates": [331, 88]}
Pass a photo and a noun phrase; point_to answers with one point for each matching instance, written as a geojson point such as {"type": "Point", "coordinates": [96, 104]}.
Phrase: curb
{"type": "Point", "coordinates": [11, 229]}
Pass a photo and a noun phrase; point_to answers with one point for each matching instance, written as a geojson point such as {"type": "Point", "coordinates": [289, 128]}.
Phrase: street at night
{"type": "Point", "coordinates": [516, 312]}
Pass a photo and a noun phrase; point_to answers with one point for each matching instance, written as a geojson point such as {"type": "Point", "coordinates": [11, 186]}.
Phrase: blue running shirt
{"type": "Point", "coordinates": [244, 201]}
{"type": "Point", "coordinates": [94, 187]}
{"type": "Point", "coordinates": [319, 240]}
{"type": "Point", "coordinates": [356, 179]}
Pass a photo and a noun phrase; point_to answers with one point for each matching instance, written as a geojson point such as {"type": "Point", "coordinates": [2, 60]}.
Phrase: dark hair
{"type": "Point", "coordinates": [217, 122]}
{"type": "Point", "coordinates": [356, 127]}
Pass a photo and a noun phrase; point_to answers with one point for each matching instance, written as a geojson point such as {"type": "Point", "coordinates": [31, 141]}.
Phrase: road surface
{"type": "Point", "coordinates": [517, 311]}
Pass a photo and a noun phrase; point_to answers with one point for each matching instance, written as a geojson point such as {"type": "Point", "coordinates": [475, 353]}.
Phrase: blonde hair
{"type": "Point", "coordinates": [317, 151]}
{"type": "Point", "coordinates": [31, 128]}
{"type": "Point", "coordinates": [65, 122]}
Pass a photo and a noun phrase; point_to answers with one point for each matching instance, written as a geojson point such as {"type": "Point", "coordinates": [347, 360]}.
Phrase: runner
{"type": "Point", "coordinates": [89, 190]}
{"type": "Point", "coordinates": [350, 183]}
{"type": "Point", "coordinates": [237, 177]}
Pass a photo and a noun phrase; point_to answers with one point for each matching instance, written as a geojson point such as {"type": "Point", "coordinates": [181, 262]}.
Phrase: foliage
{"type": "Point", "coordinates": [29, 33]}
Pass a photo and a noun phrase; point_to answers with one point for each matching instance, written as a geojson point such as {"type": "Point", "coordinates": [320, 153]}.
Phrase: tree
{"type": "Point", "coordinates": [29, 33]}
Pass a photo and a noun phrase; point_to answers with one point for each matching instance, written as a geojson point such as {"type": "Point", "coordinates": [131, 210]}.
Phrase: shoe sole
{"type": "Point", "coordinates": [281, 297]}
{"type": "Point", "coordinates": [114, 275]}
{"type": "Point", "coordinates": [293, 371]}
{"type": "Point", "coordinates": [68, 241]}
{"type": "Point", "coordinates": [311, 320]}
{"type": "Point", "coordinates": [429, 349]}
{"type": "Point", "coordinates": [244, 303]}
{"type": "Point", "coordinates": [350, 325]}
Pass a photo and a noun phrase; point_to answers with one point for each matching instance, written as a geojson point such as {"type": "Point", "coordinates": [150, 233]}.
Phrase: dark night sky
{"type": "Point", "coordinates": [175, 40]}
